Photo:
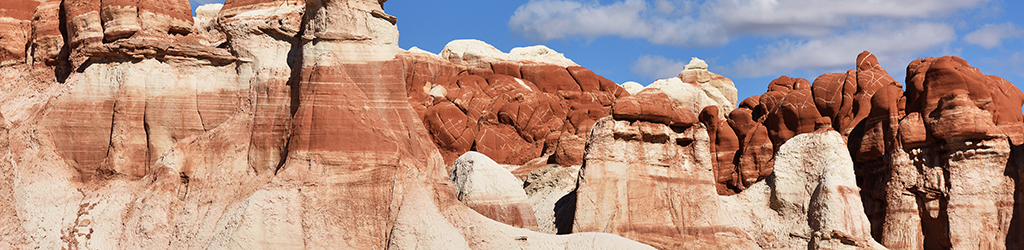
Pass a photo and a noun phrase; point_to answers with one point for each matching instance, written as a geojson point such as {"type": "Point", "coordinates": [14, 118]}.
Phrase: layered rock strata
{"type": "Point", "coordinates": [287, 124]}
{"type": "Point", "coordinates": [163, 138]}
{"type": "Point", "coordinates": [653, 182]}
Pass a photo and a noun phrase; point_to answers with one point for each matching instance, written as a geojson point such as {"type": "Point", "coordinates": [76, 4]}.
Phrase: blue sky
{"type": "Point", "coordinates": [749, 41]}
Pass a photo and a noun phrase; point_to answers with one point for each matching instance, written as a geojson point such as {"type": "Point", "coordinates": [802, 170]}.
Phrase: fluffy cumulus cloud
{"type": "Point", "coordinates": [820, 17]}
{"type": "Point", "coordinates": [687, 23]}
{"type": "Point", "coordinates": [544, 20]}
{"type": "Point", "coordinates": [894, 44]}
{"type": "Point", "coordinates": [655, 67]}
{"type": "Point", "coordinates": [992, 35]}
{"type": "Point", "coordinates": [814, 34]}
{"type": "Point", "coordinates": [197, 3]}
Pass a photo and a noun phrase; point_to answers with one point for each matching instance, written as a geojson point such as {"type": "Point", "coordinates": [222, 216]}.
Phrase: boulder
{"type": "Point", "coordinates": [652, 105]}
{"type": "Point", "coordinates": [550, 78]}
{"type": "Point", "coordinates": [549, 189]}
{"type": "Point", "coordinates": [834, 95]}
{"type": "Point", "coordinates": [632, 87]}
{"type": "Point", "coordinates": [540, 54]}
{"type": "Point", "coordinates": [570, 150]}
{"type": "Point", "coordinates": [491, 190]}
{"type": "Point", "coordinates": [474, 52]}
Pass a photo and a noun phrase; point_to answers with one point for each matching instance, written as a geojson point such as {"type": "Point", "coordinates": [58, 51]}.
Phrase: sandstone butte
{"type": "Point", "coordinates": [282, 124]}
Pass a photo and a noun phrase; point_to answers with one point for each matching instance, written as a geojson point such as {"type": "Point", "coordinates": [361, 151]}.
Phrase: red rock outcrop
{"type": "Point", "coordinates": [652, 105]}
{"type": "Point", "coordinates": [724, 144]}
{"type": "Point", "coordinates": [790, 108]}
{"type": "Point", "coordinates": [911, 150]}
{"type": "Point", "coordinates": [933, 80]}
{"type": "Point", "coordinates": [947, 141]}
{"type": "Point", "coordinates": [513, 111]}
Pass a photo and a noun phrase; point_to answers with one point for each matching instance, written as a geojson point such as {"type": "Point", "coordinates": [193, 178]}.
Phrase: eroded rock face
{"type": "Point", "coordinates": [909, 148]}
{"type": "Point", "coordinates": [948, 137]}
{"type": "Point", "coordinates": [550, 193]}
{"type": "Point", "coordinates": [511, 107]}
{"type": "Point", "coordinates": [15, 21]}
{"type": "Point", "coordinates": [652, 105]}
{"type": "Point", "coordinates": [161, 140]}
{"type": "Point", "coordinates": [724, 144]}
{"type": "Point", "coordinates": [282, 124]}
{"type": "Point", "coordinates": [812, 200]}
{"type": "Point", "coordinates": [697, 88]}
{"type": "Point", "coordinates": [649, 182]}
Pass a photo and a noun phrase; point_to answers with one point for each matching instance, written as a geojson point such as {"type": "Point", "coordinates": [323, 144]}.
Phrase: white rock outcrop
{"type": "Point", "coordinates": [696, 88]}
{"type": "Point", "coordinates": [632, 87]}
{"type": "Point", "coordinates": [471, 51]}
{"type": "Point", "coordinates": [476, 52]}
{"type": "Point", "coordinates": [491, 190]}
{"type": "Point", "coordinates": [813, 201]}
{"type": "Point", "coordinates": [417, 50]}
{"type": "Point", "coordinates": [477, 178]}
{"type": "Point", "coordinates": [692, 97]}
{"type": "Point", "coordinates": [549, 189]}
{"type": "Point", "coordinates": [541, 54]}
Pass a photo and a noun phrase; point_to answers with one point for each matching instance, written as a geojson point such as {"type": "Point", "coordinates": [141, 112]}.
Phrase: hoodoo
{"type": "Point", "coordinates": [289, 124]}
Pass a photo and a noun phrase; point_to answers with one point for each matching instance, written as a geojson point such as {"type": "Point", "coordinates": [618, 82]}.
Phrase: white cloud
{"type": "Point", "coordinates": [893, 45]}
{"type": "Point", "coordinates": [992, 35]}
{"type": "Point", "coordinates": [1018, 61]}
{"type": "Point", "coordinates": [664, 6]}
{"type": "Point", "coordinates": [209, 1]}
{"type": "Point", "coordinates": [821, 17]}
{"type": "Point", "coordinates": [544, 20]}
{"type": "Point", "coordinates": [712, 23]}
{"type": "Point", "coordinates": [812, 35]}
{"type": "Point", "coordinates": [197, 3]}
{"type": "Point", "coordinates": [657, 67]}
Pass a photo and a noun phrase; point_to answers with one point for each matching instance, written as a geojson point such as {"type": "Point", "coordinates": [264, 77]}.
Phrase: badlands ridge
{"type": "Point", "coordinates": [282, 124]}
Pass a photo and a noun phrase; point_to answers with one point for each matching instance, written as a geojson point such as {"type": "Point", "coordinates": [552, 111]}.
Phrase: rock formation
{"type": "Point", "coordinates": [162, 138]}
{"type": "Point", "coordinates": [914, 153]}
{"type": "Point", "coordinates": [810, 202]}
{"type": "Point", "coordinates": [295, 124]}
{"type": "Point", "coordinates": [950, 173]}
{"type": "Point", "coordinates": [697, 88]}
{"type": "Point", "coordinates": [491, 190]}
{"type": "Point", "coordinates": [653, 182]}
{"type": "Point", "coordinates": [549, 190]}
{"type": "Point", "coordinates": [513, 108]}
